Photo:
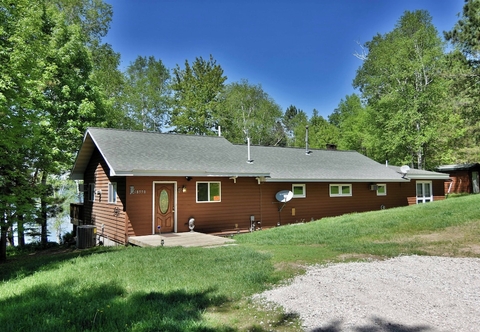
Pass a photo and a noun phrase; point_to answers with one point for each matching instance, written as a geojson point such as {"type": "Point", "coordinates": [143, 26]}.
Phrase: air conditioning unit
{"type": "Point", "coordinates": [86, 236]}
{"type": "Point", "coordinates": [373, 187]}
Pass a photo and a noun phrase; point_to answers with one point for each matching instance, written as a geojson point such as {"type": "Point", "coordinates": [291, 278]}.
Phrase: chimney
{"type": "Point", "coordinates": [331, 147]}
{"type": "Point", "coordinates": [249, 160]}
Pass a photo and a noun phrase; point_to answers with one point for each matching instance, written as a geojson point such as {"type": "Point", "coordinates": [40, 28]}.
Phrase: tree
{"type": "Point", "coordinates": [93, 17]}
{"type": "Point", "coordinates": [20, 80]}
{"type": "Point", "coordinates": [465, 33]}
{"type": "Point", "coordinates": [349, 118]}
{"type": "Point", "coordinates": [464, 71]}
{"type": "Point", "coordinates": [47, 99]}
{"type": "Point", "coordinates": [401, 81]}
{"type": "Point", "coordinates": [146, 93]}
{"type": "Point", "coordinates": [196, 100]}
{"type": "Point", "coordinates": [288, 120]}
{"type": "Point", "coordinates": [321, 132]}
{"type": "Point", "coordinates": [248, 111]}
{"type": "Point", "coordinates": [299, 122]}
{"type": "Point", "coordinates": [293, 121]}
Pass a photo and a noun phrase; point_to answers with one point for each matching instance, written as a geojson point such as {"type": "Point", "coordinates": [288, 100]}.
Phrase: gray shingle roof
{"type": "Point", "coordinates": [293, 164]}
{"type": "Point", "coordinates": [457, 167]}
{"type": "Point", "coordinates": [135, 153]}
{"type": "Point", "coordinates": [415, 174]}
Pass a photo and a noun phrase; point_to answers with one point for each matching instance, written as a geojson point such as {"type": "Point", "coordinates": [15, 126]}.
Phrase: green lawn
{"type": "Point", "coordinates": [198, 289]}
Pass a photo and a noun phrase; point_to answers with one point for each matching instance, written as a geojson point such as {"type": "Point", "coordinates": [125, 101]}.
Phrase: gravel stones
{"type": "Point", "coordinates": [407, 293]}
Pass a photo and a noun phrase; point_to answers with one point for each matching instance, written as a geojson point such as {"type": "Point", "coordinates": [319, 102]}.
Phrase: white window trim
{"type": "Point", "coordinates": [112, 185]}
{"type": "Point", "coordinates": [303, 189]}
{"type": "Point", "coordinates": [91, 192]}
{"type": "Point", "coordinates": [383, 185]}
{"type": "Point", "coordinates": [421, 200]}
{"type": "Point", "coordinates": [208, 194]}
{"type": "Point", "coordinates": [340, 191]}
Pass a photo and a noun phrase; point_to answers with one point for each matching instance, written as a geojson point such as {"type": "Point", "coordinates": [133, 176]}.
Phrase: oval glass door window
{"type": "Point", "coordinates": [163, 201]}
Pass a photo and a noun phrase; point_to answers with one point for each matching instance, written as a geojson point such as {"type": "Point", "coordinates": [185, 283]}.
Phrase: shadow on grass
{"type": "Point", "coordinates": [106, 307]}
{"type": "Point", "coordinates": [26, 264]}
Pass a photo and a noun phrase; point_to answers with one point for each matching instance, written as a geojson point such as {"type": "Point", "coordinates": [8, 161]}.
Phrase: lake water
{"type": "Point", "coordinates": [65, 227]}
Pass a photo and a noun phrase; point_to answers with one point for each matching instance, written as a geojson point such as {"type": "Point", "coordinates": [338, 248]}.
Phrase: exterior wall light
{"type": "Point", "coordinates": [191, 224]}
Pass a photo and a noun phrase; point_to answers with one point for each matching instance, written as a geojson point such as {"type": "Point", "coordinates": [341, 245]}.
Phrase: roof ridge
{"type": "Point", "coordinates": [153, 132]}
{"type": "Point", "coordinates": [294, 148]}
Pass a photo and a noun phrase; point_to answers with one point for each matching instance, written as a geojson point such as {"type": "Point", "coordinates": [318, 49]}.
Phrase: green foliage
{"type": "Point", "coordinates": [465, 33]}
{"type": "Point", "coordinates": [464, 72]}
{"type": "Point", "coordinates": [145, 97]}
{"type": "Point", "coordinates": [401, 80]}
{"type": "Point", "coordinates": [297, 123]}
{"type": "Point", "coordinates": [321, 132]}
{"type": "Point", "coordinates": [248, 111]}
{"type": "Point", "coordinates": [47, 99]}
{"type": "Point", "coordinates": [350, 119]}
{"type": "Point", "coordinates": [196, 105]}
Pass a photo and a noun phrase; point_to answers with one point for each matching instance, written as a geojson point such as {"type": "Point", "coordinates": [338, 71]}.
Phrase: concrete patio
{"type": "Point", "coordinates": [186, 239]}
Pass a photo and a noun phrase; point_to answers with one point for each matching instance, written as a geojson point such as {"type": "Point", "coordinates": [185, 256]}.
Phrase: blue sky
{"type": "Point", "coordinates": [300, 51]}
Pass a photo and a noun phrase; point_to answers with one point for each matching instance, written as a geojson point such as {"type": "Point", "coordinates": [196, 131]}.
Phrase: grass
{"type": "Point", "coordinates": [198, 289]}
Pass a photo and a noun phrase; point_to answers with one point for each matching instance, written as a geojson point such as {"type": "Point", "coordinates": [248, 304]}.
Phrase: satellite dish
{"type": "Point", "coordinates": [284, 196]}
{"type": "Point", "coordinates": [404, 169]}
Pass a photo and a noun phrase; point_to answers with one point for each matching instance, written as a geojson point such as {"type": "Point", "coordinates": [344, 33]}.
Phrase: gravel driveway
{"type": "Point", "coordinates": [403, 294]}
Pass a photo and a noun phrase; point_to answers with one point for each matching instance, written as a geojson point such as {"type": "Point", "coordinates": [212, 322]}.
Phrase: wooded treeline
{"type": "Point", "coordinates": [418, 100]}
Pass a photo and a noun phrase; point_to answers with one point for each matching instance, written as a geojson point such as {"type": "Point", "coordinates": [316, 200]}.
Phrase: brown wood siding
{"type": "Point", "coordinates": [461, 182]}
{"type": "Point", "coordinates": [318, 204]}
{"type": "Point", "coordinates": [238, 202]}
{"type": "Point", "coordinates": [108, 217]}
{"type": "Point", "coordinates": [240, 199]}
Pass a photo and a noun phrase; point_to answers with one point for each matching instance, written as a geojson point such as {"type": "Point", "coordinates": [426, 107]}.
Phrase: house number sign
{"type": "Point", "coordinates": [134, 191]}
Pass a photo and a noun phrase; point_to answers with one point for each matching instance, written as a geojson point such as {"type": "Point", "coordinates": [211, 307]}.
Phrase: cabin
{"type": "Point", "coordinates": [142, 183]}
{"type": "Point", "coordinates": [464, 178]}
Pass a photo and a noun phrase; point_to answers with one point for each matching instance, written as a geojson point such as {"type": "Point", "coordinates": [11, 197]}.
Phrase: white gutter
{"type": "Point", "coordinates": [137, 172]}
{"type": "Point", "coordinates": [339, 180]}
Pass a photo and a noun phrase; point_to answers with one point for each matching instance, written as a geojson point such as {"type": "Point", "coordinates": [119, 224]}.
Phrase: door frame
{"type": "Point", "coordinates": [475, 182]}
{"type": "Point", "coordinates": [174, 203]}
{"type": "Point", "coordinates": [423, 198]}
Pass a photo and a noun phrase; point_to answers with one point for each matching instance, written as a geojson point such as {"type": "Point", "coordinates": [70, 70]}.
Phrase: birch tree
{"type": "Point", "coordinates": [249, 112]}
{"type": "Point", "coordinates": [402, 83]}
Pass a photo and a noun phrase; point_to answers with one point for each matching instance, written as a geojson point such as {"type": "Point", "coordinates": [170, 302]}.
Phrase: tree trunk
{"type": "Point", "coordinates": [419, 159]}
{"type": "Point", "coordinates": [43, 213]}
{"type": "Point", "coordinates": [10, 236]}
{"type": "Point", "coordinates": [3, 240]}
{"type": "Point", "coordinates": [21, 231]}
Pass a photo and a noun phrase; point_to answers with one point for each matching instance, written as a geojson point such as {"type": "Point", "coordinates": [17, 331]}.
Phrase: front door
{"type": "Point", "coordinates": [164, 208]}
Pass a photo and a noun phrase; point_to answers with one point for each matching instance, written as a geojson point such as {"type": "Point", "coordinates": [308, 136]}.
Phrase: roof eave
{"type": "Point", "coordinates": [137, 172]}
{"type": "Point", "coordinates": [428, 177]}
{"type": "Point", "coordinates": [337, 180]}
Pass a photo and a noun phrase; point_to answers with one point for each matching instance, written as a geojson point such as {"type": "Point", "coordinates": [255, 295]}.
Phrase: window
{"type": "Point", "coordinates": [91, 192]}
{"type": "Point", "coordinates": [298, 190]}
{"type": "Point", "coordinates": [112, 192]}
{"type": "Point", "coordinates": [381, 190]}
{"type": "Point", "coordinates": [208, 192]}
{"type": "Point", "coordinates": [424, 192]}
{"type": "Point", "coordinates": [337, 190]}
